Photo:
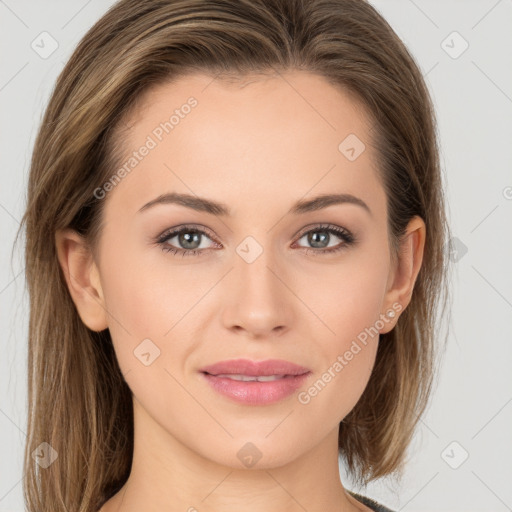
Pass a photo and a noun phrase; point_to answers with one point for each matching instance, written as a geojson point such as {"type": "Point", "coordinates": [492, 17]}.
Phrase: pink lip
{"type": "Point", "coordinates": [255, 393]}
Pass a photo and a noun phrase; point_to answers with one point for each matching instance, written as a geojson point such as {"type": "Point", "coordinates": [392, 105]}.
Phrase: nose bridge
{"type": "Point", "coordinates": [255, 266]}
{"type": "Point", "coordinates": [258, 298]}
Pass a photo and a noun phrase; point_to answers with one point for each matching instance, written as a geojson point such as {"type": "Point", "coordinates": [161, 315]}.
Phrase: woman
{"type": "Point", "coordinates": [235, 258]}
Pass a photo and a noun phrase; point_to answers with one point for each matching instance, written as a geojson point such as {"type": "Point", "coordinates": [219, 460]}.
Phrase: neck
{"type": "Point", "coordinates": [167, 475]}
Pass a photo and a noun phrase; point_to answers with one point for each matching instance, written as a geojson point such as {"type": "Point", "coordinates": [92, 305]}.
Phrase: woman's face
{"type": "Point", "coordinates": [260, 278]}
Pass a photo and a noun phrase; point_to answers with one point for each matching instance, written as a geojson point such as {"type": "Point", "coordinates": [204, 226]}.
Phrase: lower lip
{"type": "Point", "coordinates": [254, 392]}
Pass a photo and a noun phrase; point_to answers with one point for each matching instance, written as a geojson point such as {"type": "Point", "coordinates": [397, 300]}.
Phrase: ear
{"type": "Point", "coordinates": [405, 271]}
{"type": "Point", "coordinates": [82, 278]}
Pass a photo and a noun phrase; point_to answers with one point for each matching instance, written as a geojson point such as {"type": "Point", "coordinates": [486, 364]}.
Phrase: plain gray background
{"type": "Point", "coordinates": [460, 459]}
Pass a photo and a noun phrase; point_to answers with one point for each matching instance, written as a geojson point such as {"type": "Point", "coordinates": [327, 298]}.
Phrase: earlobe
{"type": "Point", "coordinates": [82, 278]}
{"type": "Point", "coordinates": [408, 264]}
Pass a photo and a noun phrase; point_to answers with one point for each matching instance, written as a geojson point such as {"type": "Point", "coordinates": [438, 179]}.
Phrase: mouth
{"type": "Point", "coordinates": [255, 383]}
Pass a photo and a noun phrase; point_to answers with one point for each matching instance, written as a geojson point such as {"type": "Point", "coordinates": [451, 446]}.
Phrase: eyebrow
{"type": "Point", "coordinates": [201, 204]}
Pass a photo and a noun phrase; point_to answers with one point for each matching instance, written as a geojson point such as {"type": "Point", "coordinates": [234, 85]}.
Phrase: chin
{"type": "Point", "coordinates": [252, 453]}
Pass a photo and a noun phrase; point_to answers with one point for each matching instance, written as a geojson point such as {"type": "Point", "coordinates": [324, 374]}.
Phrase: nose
{"type": "Point", "coordinates": [258, 300]}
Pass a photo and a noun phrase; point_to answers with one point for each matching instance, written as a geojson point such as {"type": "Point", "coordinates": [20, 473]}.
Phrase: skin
{"type": "Point", "coordinates": [258, 147]}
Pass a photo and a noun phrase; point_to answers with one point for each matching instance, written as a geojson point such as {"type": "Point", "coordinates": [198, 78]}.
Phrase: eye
{"type": "Point", "coordinates": [188, 237]}
{"type": "Point", "coordinates": [321, 236]}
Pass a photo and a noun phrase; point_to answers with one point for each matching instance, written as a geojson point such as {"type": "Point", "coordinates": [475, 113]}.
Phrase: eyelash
{"type": "Point", "coordinates": [347, 237]}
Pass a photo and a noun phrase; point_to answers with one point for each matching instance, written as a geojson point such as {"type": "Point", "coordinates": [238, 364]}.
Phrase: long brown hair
{"type": "Point", "coordinates": [79, 402]}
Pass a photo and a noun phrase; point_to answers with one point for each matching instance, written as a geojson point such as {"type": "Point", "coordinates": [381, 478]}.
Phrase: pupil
{"type": "Point", "coordinates": [187, 241]}
{"type": "Point", "coordinates": [318, 241]}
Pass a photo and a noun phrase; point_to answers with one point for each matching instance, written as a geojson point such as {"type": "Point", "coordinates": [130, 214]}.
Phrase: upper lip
{"type": "Point", "coordinates": [255, 368]}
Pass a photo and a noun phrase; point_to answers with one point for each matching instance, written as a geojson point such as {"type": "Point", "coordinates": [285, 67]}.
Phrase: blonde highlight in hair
{"type": "Point", "coordinates": [79, 402]}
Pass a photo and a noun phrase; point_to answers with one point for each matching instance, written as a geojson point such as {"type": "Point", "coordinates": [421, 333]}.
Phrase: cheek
{"type": "Point", "coordinates": [347, 297]}
{"type": "Point", "coordinates": [145, 290]}
{"type": "Point", "coordinates": [148, 297]}
{"type": "Point", "coordinates": [348, 302]}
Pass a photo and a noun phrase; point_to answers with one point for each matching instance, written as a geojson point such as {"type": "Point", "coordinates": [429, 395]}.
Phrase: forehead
{"type": "Point", "coordinates": [287, 96]}
{"type": "Point", "coordinates": [230, 136]}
